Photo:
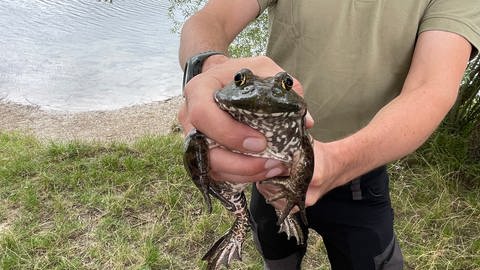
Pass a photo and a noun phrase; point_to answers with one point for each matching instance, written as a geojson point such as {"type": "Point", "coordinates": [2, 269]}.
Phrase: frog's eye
{"type": "Point", "coordinates": [240, 78]}
{"type": "Point", "coordinates": [287, 82]}
{"type": "Point", "coordinates": [243, 77]}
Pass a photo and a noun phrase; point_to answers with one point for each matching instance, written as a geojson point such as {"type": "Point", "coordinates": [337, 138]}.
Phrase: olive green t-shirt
{"type": "Point", "coordinates": [352, 57]}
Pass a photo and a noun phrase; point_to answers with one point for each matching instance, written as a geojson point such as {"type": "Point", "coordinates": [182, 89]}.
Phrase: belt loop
{"type": "Point", "coordinates": [356, 189]}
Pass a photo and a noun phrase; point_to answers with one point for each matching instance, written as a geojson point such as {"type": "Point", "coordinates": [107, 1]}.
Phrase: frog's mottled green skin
{"type": "Point", "coordinates": [271, 107]}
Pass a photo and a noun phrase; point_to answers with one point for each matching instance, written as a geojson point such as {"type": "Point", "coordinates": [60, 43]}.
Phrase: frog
{"type": "Point", "coordinates": [271, 106]}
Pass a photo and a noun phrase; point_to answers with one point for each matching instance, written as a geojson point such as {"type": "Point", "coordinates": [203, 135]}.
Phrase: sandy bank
{"type": "Point", "coordinates": [124, 124]}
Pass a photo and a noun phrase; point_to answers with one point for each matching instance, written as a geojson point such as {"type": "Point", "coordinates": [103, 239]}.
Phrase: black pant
{"type": "Point", "coordinates": [354, 220]}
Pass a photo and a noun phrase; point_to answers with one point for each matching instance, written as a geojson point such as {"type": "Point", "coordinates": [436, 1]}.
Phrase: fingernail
{"type": "Point", "coordinates": [274, 172]}
{"type": "Point", "coordinates": [272, 163]}
{"type": "Point", "coordinates": [254, 144]}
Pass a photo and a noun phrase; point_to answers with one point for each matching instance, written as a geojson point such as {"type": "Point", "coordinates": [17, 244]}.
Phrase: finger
{"type": "Point", "coordinates": [309, 120]}
{"type": "Point", "coordinates": [234, 178]}
{"type": "Point", "coordinates": [240, 172]}
{"type": "Point", "coordinates": [312, 196]}
{"type": "Point", "coordinates": [228, 162]}
{"type": "Point", "coordinates": [297, 87]}
{"type": "Point", "coordinates": [219, 126]}
{"type": "Point", "coordinates": [314, 193]}
{"type": "Point", "coordinates": [184, 120]}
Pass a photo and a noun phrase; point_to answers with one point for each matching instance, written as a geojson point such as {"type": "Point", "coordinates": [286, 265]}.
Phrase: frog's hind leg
{"type": "Point", "coordinates": [292, 201]}
{"type": "Point", "coordinates": [294, 188]}
{"type": "Point", "coordinates": [229, 247]}
{"type": "Point", "coordinates": [288, 192]}
{"type": "Point", "coordinates": [291, 226]}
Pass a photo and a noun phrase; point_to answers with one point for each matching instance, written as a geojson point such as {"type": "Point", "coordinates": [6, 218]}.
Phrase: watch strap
{"type": "Point", "coordinates": [194, 64]}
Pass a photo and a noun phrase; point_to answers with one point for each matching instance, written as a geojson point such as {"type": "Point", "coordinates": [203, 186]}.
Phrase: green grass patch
{"type": "Point", "coordinates": [83, 205]}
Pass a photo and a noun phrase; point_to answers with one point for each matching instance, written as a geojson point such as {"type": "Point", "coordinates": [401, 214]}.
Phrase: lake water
{"type": "Point", "coordinates": [82, 55]}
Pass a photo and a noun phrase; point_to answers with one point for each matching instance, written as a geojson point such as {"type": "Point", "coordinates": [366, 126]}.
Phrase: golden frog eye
{"type": "Point", "coordinates": [287, 82]}
{"type": "Point", "coordinates": [243, 77]}
{"type": "Point", "coordinates": [240, 78]}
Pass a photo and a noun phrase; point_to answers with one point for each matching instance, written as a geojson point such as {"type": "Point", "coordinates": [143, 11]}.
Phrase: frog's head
{"type": "Point", "coordinates": [271, 96]}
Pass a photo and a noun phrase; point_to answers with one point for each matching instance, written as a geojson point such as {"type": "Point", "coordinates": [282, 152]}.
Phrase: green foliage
{"type": "Point", "coordinates": [253, 40]}
{"type": "Point", "coordinates": [451, 154]}
{"type": "Point", "coordinates": [474, 144]}
{"type": "Point", "coordinates": [436, 217]}
{"type": "Point", "coordinates": [464, 117]}
{"type": "Point", "coordinates": [180, 10]}
{"type": "Point", "coordinates": [455, 146]}
{"type": "Point", "coordinates": [250, 42]}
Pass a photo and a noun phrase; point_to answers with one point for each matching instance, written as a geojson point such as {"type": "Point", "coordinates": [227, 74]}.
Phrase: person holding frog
{"type": "Point", "coordinates": [378, 77]}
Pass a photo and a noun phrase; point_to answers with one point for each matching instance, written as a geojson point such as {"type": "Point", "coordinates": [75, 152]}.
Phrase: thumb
{"type": "Point", "coordinates": [297, 87]}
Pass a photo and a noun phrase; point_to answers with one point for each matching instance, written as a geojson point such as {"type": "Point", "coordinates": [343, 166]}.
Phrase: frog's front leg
{"type": "Point", "coordinates": [195, 160]}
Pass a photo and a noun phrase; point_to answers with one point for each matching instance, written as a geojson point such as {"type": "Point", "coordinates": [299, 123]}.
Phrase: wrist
{"type": "Point", "coordinates": [194, 65]}
{"type": "Point", "coordinates": [349, 158]}
{"type": "Point", "coordinates": [331, 164]}
{"type": "Point", "coordinates": [213, 60]}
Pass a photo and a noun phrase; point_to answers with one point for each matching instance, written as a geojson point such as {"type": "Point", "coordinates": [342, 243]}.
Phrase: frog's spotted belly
{"type": "Point", "coordinates": [283, 131]}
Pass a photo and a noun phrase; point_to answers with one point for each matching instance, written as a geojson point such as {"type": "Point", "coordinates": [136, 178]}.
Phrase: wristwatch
{"type": "Point", "coordinates": [193, 66]}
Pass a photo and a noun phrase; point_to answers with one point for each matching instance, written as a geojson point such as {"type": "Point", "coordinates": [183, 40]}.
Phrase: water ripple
{"type": "Point", "coordinates": [85, 54]}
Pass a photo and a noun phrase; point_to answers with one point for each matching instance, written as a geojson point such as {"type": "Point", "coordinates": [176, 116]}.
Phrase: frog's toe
{"type": "Point", "coordinates": [291, 227]}
{"type": "Point", "coordinates": [229, 247]}
{"type": "Point", "coordinates": [223, 252]}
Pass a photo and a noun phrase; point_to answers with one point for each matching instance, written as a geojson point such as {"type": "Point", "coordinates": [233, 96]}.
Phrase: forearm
{"type": "Point", "coordinates": [201, 33]}
{"type": "Point", "coordinates": [397, 130]}
{"type": "Point", "coordinates": [430, 89]}
{"type": "Point", "coordinates": [215, 26]}
{"type": "Point", "coordinates": [401, 126]}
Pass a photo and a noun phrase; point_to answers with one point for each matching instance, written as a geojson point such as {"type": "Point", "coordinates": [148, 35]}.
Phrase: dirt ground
{"type": "Point", "coordinates": [125, 124]}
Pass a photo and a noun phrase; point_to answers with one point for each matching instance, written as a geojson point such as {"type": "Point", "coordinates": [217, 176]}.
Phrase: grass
{"type": "Point", "coordinates": [115, 206]}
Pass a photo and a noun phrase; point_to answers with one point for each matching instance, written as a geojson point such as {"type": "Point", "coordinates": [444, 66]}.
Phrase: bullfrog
{"type": "Point", "coordinates": [273, 108]}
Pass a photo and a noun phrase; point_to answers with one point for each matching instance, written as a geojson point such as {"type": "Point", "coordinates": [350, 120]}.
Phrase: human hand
{"type": "Point", "coordinates": [201, 112]}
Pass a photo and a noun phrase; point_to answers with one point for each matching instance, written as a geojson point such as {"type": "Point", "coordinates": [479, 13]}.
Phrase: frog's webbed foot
{"type": "Point", "coordinates": [291, 226]}
{"type": "Point", "coordinates": [293, 198]}
{"type": "Point", "coordinates": [224, 251]}
{"type": "Point", "coordinates": [229, 247]}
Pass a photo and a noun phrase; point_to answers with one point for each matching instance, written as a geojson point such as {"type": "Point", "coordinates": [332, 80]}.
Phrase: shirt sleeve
{"type": "Point", "coordinates": [457, 16]}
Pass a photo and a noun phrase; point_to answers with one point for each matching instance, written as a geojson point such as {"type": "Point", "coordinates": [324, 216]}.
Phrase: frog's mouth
{"type": "Point", "coordinates": [252, 105]}
{"type": "Point", "coordinates": [236, 112]}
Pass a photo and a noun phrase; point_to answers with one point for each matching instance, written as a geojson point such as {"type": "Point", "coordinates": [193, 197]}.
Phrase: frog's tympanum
{"type": "Point", "coordinates": [270, 106]}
